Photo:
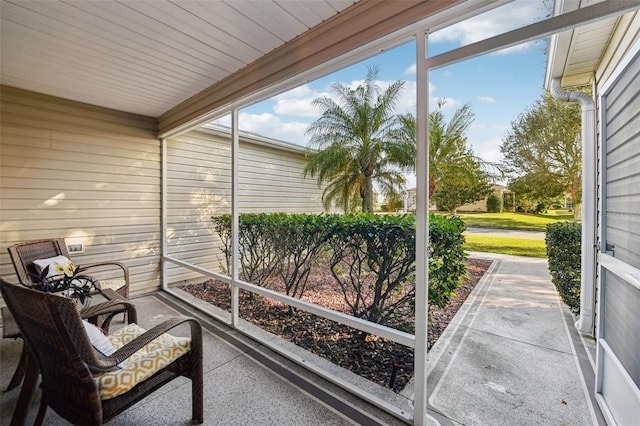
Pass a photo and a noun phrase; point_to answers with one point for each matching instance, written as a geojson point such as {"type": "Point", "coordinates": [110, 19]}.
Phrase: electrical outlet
{"type": "Point", "coordinates": [75, 248]}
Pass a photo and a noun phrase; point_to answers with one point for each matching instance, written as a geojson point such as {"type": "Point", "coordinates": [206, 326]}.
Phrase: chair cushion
{"type": "Point", "coordinates": [99, 341]}
{"type": "Point", "coordinates": [58, 265]}
{"type": "Point", "coordinates": [113, 284]}
{"type": "Point", "coordinates": [143, 364]}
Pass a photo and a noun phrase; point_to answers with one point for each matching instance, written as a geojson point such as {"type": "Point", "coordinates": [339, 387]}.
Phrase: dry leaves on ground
{"type": "Point", "coordinates": [381, 361]}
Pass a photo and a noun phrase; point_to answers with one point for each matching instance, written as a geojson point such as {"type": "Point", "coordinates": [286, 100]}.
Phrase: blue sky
{"type": "Point", "coordinates": [498, 86]}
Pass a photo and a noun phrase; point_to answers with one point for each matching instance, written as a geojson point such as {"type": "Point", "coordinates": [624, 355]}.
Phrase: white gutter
{"type": "Point", "coordinates": [586, 322]}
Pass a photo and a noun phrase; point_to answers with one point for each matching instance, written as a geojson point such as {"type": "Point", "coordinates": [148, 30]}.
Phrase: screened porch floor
{"type": "Point", "coordinates": [245, 384]}
{"type": "Point", "coordinates": [509, 356]}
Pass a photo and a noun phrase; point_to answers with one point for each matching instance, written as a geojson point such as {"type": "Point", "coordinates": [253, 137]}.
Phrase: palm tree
{"type": "Point", "coordinates": [448, 150]}
{"type": "Point", "coordinates": [352, 144]}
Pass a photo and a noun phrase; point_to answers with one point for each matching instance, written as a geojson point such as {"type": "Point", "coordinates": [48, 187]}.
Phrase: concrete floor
{"type": "Point", "coordinates": [245, 384]}
{"type": "Point", "coordinates": [509, 357]}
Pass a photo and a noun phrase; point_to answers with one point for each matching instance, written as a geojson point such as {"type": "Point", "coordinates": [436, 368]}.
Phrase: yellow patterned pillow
{"type": "Point", "coordinates": [58, 265]}
{"type": "Point", "coordinates": [114, 284]}
{"type": "Point", "coordinates": [153, 357]}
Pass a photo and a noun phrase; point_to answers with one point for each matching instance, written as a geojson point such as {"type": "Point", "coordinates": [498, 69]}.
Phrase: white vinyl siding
{"type": "Point", "coordinates": [199, 186]}
{"type": "Point", "coordinates": [619, 310]}
{"type": "Point", "coordinates": [93, 176]}
{"type": "Point", "coordinates": [622, 176]}
{"type": "Point", "coordinates": [83, 173]}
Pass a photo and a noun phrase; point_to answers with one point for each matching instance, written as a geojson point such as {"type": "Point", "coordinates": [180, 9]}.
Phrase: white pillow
{"type": "Point", "coordinates": [59, 265]}
{"type": "Point", "coordinates": [99, 341]}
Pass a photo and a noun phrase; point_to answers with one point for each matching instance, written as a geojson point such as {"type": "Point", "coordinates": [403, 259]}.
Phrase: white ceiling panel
{"type": "Point", "coordinates": [143, 56]}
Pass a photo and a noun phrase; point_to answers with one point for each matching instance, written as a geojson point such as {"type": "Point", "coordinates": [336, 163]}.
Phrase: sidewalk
{"type": "Point", "coordinates": [511, 356]}
{"type": "Point", "coordinates": [511, 233]}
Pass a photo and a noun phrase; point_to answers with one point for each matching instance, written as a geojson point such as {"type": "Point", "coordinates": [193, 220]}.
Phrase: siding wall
{"type": "Point", "coordinates": [93, 176]}
{"type": "Point", "coordinates": [84, 173]}
{"type": "Point", "coordinates": [199, 186]}
{"type": "Point", "coordinates": [622, 214]}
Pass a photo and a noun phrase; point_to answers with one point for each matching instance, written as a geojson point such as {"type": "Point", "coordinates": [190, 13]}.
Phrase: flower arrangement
{"type": "Point", "coordinates": [68, 280]}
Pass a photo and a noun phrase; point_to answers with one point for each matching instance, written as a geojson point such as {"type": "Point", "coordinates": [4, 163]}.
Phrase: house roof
{"type": "Point", "coordinates": [574, 55]}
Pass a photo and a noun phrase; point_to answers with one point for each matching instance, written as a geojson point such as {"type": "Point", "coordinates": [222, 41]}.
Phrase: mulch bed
{"type": "Point", "coordinates": [378, 360]}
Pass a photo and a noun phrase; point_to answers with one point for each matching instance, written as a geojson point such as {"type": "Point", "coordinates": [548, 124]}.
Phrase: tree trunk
{"type": "Point", "coordinates": [367, 199]}
{"type": "Point", "coordinates": [432, 188]}
{"type": "Point", "coordinates": [577, 212]}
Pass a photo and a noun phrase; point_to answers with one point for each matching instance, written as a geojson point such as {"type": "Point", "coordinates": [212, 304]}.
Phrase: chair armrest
{"type": "Point", "coordinates": [139, 342]}
{"type": "Point", "coordinates": [111, 306]}
{"type": "Point", "coordinates": [121, 265]}
{"type": "Point", "coordinates": [125, 271]}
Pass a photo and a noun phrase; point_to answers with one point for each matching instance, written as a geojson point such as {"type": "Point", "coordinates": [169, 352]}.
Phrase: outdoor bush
{"type": "Point", "coordinates": [275, 244]}
{"type": "Point", "coordinates": [564, 253]}
{"type": "Point", "coordinates": [300, 241]}
{"type": "Point", "coordinates": [258, 240]}
{"type": "Point", "coordinates": [371, 257]}
{"type": "Point", "coordinates": [541, 207]}
{"type": "Point", "coordinates": [373, 260]}
{"type": "Point", "coordinates": [494, 203]}
{"type": "Point", "coordinates": [447, 261]}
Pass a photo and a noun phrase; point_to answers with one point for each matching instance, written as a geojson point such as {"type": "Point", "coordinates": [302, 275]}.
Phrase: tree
{"type": "Point", "coordinates": [532, 191]}
{"type": "Point", "coordinates": [450, 159]}
{"type": "Point", "coordinates": [352, 146]}
{"type": "Point", "coordinates": [544, 144]}
{"type": "Point", "coordinates": [456, 189]}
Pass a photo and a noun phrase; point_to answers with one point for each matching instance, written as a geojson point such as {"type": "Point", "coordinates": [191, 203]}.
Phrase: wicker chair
{"type": "Point", "coordinates": [70, 366]}
{"type": "Point", "coordinates": [23, 254]}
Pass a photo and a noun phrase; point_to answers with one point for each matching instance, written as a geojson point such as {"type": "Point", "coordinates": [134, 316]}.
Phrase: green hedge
{"type": "Point", "coordinates": [447, 261]}
{"type": "Point", "coordinates": [371, 257]}
{"type": "Point", "coordinates": [563, 242]}
{"type": "Point", "coordinates": [494, 203]}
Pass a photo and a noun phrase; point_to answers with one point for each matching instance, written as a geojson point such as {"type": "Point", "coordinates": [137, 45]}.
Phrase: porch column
{"type": "Point", "coordinates": [422, 232]}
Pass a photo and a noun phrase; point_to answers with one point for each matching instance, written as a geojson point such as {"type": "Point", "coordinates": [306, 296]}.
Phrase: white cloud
{"type": "Point", "coordinates": [411, 70]}
{"type": "Point", "coordinates": [486, 99]}
{"type": "Point", "coordinates": [502, 19]}
{"type": "Point", "coordinates": [489, 150]}
{"type": "Point", "coordinates": [298, 102]}
{"type": "Point", "coordinates": [269, 125]}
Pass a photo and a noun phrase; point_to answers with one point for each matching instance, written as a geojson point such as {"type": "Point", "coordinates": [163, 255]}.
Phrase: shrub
{"type": "Point", "coordinates": [300, 241]}
{"type": "Point", "coordinates": [373, 261]}
{"type": "Point", "coordinates": [564, 253]}
{"type": "Point", "coordinates": [541, 207]}
{"type": "Point", "coordinates": [446, 263]}
{"type": "Point", "coordinates": [494, 203]}
{"type": "Point", "coordinates": [372, 258]}
{"type": "Point", "coordinates": [258, 240]}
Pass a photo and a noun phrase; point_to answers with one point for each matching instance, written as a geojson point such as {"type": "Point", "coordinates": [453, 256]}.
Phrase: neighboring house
{"type": "Point", "coordinates": [411, 200]}
{"type": "Point", "coordinates": [481, 206]}
{"type": "Point", "coordinates": [606, 56]}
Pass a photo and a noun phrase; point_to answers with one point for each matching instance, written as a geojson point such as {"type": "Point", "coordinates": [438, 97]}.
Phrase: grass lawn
{"type": "Point", "coordinates": [522, 221]}
{"type": "Point", "coordinates": [506, 245]}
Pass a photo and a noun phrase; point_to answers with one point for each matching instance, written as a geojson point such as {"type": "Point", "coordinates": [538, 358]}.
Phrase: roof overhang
{"type": "Point", "coordinates": [575, 55]}
{"type": "Point", "coordinates": [178, 61]}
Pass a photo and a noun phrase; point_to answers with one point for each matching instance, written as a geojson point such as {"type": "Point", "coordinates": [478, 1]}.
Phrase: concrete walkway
{"type": "Point", "coordinates": [511, 355]}
{"type": "Point", "coordinates": [511, 233]}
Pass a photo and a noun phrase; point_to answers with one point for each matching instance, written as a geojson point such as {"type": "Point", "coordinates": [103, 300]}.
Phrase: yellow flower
{"type": "Point", "coordinates": [65, 268]}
